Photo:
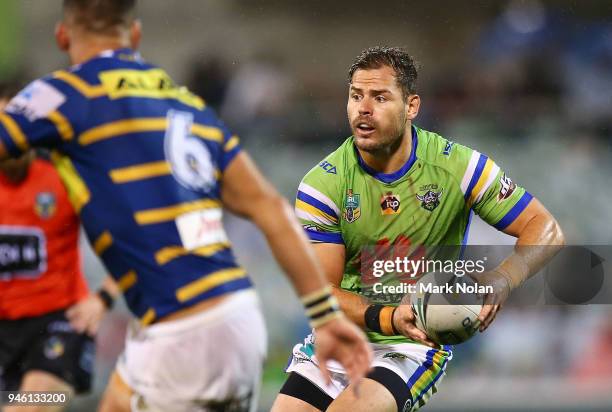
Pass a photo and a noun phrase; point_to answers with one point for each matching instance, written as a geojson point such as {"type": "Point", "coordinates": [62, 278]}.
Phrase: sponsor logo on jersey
{"type": "Point", "coordinates": [201, 228]}
{"type": "Point", "coordinates": [390, 204]}
{"type": "Point", "coordinates": [507, 188]}
{"type": "Point", "coordinates": [301, 358]}
{"type": "Point", "coordinates": [448, 148]}
{"type": "Point", "coordinates": [352, 208]}
{"type": "Point", "coordinates": [429, 197]}
{"type": "Point", "coordinates": [46, 205]}
{"type": "Point", "coordinates": [153, 83]}
{"type": "Point", "coordinates": [407, 406]}
{"type": "Point", "coordinates": [36, 101]}
{"type": "Point", "coordinates": [22, 252]}
{"type": "Point", "coordinates": [328, 167]}
{"type": "Point", "coordinates": [54, 347]}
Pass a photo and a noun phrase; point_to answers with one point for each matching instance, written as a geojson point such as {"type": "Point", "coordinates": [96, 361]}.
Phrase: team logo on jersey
{"type": "Point", "coordinates": [352, 208]}
{"type": "Point", "coordinates": [46, 205]}
{"type": "Point", "coordinates": [430, 199]}
{"type": "Point", "coordinates": [390, 204]}
{"type": "Point", "coordinates": [54, 347]}
{"type": "Point", "coordinates": [507, 188]}
{"type": "Point", "coordinates": [328, 167]}
{"type": "Point", "coordinates": [448, 148]}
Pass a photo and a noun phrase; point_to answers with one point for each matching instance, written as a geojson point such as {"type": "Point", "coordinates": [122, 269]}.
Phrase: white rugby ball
{"type": "Point", "coordinates": [447, 318]}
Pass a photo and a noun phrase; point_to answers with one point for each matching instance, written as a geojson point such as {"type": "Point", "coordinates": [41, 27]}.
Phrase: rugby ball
{"type": "Point", "coordinates": [442, 311]}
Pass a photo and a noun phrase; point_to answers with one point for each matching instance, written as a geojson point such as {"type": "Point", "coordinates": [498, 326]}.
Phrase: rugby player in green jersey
{"type": "Point", "coordinates": [394, 184]}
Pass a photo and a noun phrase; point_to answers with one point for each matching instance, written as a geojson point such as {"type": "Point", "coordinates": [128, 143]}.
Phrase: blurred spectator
{"type": "Point", "coordinates": [208, 78]}
{"type": "Point", "coordinates": [258, 98]}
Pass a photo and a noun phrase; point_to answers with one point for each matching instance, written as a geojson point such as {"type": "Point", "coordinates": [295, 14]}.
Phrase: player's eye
{"type": "Point", "coordinates": [381, 99]}
{"type": "Point", "coordinates": [356, 97]}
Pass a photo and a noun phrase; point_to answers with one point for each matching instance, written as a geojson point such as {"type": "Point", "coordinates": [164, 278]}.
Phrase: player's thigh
{"type": "Point", "coordinates": [284, 403]}
{"type": "Point", "coordinates": [302, 394]}
{"type": "Point", "coordinates": [41, 381]}
{"type": "Point", "coordinates": [371, 396]}
{"type": "Point", "coordinates": [117, 396]}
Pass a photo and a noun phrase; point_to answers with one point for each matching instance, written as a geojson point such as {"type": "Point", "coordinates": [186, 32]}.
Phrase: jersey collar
{"type": "Point", "coordinates": [117, 53]}
{"type": "Point", "coordinates": [392, 177]}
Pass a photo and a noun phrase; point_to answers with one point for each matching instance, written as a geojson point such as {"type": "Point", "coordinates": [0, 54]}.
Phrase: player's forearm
{"type": "Point", "coordinates": [352, 304]}
{"type": "Point", "coordinates": [290, 245]}
{"type": "Point", "coordinates": [111, 287]}
{"type": "Point", "coordinates": [538, 242]}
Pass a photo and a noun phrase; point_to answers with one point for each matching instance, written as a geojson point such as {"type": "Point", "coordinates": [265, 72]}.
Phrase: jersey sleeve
{"type": "Point", "coordinates": [316, 206]}
{"type": "Point", "coordinates": [36, 116]}
{"type": "Point", "coordinates": [491, 193]}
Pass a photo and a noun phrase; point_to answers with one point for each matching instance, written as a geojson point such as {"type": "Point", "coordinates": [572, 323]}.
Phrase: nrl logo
{"type": "Point", "coordinates": [431, 199]}
{"type": "Point", "coordinates": [352, 208]}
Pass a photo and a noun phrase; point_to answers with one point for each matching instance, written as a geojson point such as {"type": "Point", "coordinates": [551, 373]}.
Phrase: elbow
{"type": "Point", "coordinates": [277, 202]}
{"type": "Point", "coordinates": [557, 234]}
{"type": "Point", "coordinates": [270, 207]}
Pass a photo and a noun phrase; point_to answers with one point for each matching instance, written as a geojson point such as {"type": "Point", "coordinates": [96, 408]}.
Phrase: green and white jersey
{"type": "Point", "coordinates": [429, 201]}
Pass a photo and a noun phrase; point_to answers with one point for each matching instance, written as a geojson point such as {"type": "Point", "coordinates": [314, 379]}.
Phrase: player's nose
{"type": "Point", "coordinates": [365, 107]}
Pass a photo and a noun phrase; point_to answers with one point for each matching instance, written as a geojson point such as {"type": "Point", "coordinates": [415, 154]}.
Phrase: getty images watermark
{"type": "Point", "coordinates": [403, 267]}
{"type": "Point", "coordinates": [385, 273]}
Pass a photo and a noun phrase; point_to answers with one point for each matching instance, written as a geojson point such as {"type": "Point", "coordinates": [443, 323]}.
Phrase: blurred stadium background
{"type": "Point", "coordinates": [527, 82]}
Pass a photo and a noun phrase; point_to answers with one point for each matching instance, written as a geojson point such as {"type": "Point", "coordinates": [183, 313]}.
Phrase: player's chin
{"type": "Point", "coordinates": [367, 143]}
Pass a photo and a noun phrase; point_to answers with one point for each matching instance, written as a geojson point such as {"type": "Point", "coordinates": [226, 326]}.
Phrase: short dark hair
{"type": "Point", "coordinates": [402, 63]}
{"type": "Point", "coordinates": [101, 16]}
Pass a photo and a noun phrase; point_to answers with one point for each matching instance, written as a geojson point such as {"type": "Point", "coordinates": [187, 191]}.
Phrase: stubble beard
{"type": "Point", "coordinates": [385, 144]}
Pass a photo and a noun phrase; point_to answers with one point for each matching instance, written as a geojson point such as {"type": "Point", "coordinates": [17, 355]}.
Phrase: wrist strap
{"type": "Point", "coordinates": [372, 318]}
{"type": "Point", "coordinates": [395, 331]}
{"type": "Point", "coordinates": [321, 307]}
{"type": "Point", "coordinates": [379, 318]}
{"type": "Point", "coordinates": [386, 320]}
{"type": "Point", "coordinates": [107, 299]}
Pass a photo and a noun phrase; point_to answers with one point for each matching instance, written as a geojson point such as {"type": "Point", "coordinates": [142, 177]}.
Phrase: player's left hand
{"type": "Point", "coordinates": [492, 301]}
{"type": "Point", "coordinates": [85, 316]}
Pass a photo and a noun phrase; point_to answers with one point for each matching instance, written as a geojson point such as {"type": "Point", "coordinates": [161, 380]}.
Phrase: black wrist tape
{"type": "Point", "coordinates": [372, 318]}
{"type": "Point", "coordinates": [107, 299]}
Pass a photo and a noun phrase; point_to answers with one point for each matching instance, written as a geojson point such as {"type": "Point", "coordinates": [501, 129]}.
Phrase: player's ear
{"type": "Point", "coordinates": [135, 34]}
{"type": "Point", "coordinates": [62, 38]}
{"type": "Point", "coordinates": [413, 103]}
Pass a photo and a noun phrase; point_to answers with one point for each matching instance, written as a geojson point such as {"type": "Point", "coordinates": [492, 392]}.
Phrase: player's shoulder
{"type": "Point", "coordinates": [38, 99]}
{"type": "Point", "coordinates": [326, 178]}
{"type": "Point", "coordinates": [443, 152]}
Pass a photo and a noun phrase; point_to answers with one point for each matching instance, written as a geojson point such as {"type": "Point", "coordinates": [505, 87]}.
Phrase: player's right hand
{"type": "Point", "coordinates": [85, 316]}
{"type": "Point", "coordinates": [404, 322]}
{"type": "Point", "coordinates": [340, 340]}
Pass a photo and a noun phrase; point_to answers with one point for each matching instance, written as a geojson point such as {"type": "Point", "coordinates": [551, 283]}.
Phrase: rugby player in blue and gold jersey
{"type": "Point", "coordinates": [149, 168]}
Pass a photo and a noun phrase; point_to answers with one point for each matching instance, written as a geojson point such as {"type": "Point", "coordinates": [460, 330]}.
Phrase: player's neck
{"type": "Point", "coordinates": [90, 47]}
{"type": "Point", "coordinates": [392, 158]}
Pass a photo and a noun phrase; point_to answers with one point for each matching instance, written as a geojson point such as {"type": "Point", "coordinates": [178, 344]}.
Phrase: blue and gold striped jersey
{"type": "Point", "coordinates": [143, 160]}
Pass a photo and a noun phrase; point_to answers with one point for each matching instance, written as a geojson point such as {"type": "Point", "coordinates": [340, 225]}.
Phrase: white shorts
{"type": "Point", "coordinates": [209, 358]}
{"type": "Point", "coordinates": [419, 366]}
